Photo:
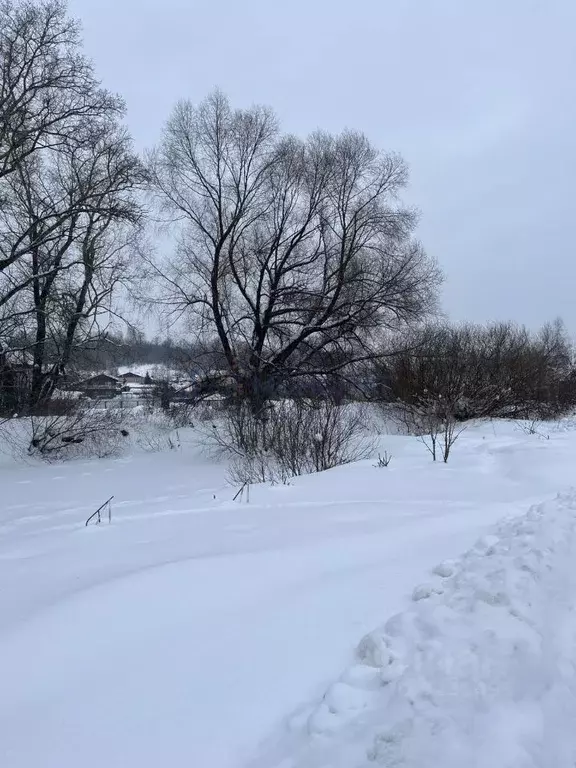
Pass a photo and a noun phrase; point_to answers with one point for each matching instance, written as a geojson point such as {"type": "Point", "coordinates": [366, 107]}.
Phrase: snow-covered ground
{"type": "Point", "coordinates": [480, 671]}
{"type": "Point", "coordinates": [200, 631]}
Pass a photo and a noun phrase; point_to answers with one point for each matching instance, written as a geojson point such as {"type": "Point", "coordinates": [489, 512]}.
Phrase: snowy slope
{"type": "Point", "coordinates": [481, 671]}
{"type": "Point", "coordinates": [192, 628]}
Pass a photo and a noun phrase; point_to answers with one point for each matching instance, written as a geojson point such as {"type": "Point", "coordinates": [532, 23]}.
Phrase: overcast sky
{"type": "Point", "coordinates": [479, 96]}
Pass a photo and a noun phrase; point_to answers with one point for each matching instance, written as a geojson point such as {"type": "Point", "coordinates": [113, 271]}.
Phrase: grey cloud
{"type": "Point", "coordinates": [477, 96]}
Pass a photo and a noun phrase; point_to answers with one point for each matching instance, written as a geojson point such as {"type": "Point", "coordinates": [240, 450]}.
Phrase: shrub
{"type": "Point", "coordinates": [82, 431]}
{"type": "Point", "coordinates": [154, 430]}
{"type": "Point", "coordinates": [432, 419]}
{"type": "Point", "coordinates": [289, 438]}
{"type": "Point", "coordinates": [383, 460]}
{"type": "Point", "coordinates": [500, 370]}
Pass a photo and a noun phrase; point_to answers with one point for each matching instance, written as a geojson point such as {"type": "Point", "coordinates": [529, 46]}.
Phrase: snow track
{"type": "Point", "coordinates": [479, 671]}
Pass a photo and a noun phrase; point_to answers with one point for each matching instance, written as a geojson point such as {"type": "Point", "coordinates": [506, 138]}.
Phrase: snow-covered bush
{"type": "Point", "coordinates": [288, 438]}
{"type": "Point", "coordinates": [81, 432]}
{"type": "Point", "coordinates": [249, 470]}
{"type": "Point", "coordinates": [533, 427]}
{"type": "Point", "coordinates": [432, 419]}
{"type": "Point", "coordinates": [153, 430]}
{"type": "Point", "coordinates": [88, 431]}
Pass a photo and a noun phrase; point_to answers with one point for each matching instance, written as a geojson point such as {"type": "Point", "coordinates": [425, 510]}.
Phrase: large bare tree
{"type": "Point", "coordinates": [295, 255]}
{"type": "Point", "coordinates": [60, 289]}
{"type": "Point", "coordinates": [69, 182]}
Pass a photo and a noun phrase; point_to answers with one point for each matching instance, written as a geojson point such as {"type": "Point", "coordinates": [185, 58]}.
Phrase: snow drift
{"type": "Point", "coordinates": [479, 671]}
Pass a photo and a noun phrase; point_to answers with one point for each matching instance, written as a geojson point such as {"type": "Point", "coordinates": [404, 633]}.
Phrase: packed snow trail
{"type": "Point", "coordinates": [480, 671]}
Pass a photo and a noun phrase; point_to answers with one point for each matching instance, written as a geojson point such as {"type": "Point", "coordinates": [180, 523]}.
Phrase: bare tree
{"type": "Point", "coordinates": [62, 286]}
{"type": "Point", "coordinates": [68, 183]}
{"type": "Point", "coordinates": [294, 255]}
{"type": "Point", "coordinates": [431, 418]}
{"type": "Point", "coordinates": [421, 420]}
{"type": "Point", "coordinates": [47, 88]}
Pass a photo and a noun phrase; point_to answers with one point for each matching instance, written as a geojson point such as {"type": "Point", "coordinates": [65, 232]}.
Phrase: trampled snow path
{"type": "Point", "coordinates": [480, 671]}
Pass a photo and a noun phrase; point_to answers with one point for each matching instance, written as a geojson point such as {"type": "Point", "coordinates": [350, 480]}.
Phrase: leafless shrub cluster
{"type": "Point", "coordinates": [79, 430]}
{"type": "Point", "coordinates": [153, 430]}
{"type": "Point", "coordinates": [532, 427]}
{"type": "Point", "coordinates": [80, 433]}
{"type": "Point", "coordinates": [432, 420]}
{"type": "Point", "coordinates": [383, 460]}
{"type": "Point", "coordinates": [290, 438]}
{"type": "Point", "coordinates": [501, 370]}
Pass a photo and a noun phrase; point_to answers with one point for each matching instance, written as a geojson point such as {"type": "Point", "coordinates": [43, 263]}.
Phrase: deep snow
{"type": "Point", "coordinates": [479, 672]}
{"type": "Point", "coordinates": [198, 631]}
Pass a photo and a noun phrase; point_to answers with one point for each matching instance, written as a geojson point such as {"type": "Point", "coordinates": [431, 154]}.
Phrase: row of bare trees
{"type": "Point", "coordinates": [476, 371]}
{"type": "Point", "coordinates": [69, 206]}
